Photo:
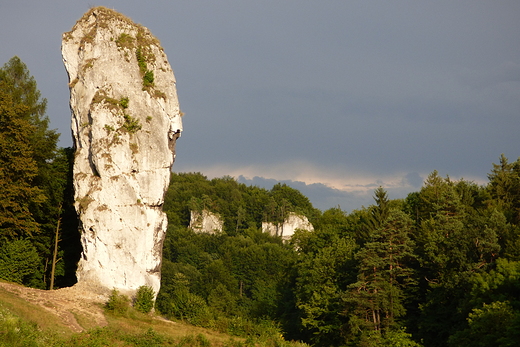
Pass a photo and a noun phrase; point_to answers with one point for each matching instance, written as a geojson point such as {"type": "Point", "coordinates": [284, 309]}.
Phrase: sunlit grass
{"type": "Point", "coordinates": [29, 312]}
{"type": "Point", "coordinates": [23, 323]}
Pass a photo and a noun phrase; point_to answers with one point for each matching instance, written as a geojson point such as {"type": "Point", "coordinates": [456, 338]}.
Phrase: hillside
{"type": "Point", "coordinates": [67, 309]}
{"type": "Point", "coordinates": [75, 317]}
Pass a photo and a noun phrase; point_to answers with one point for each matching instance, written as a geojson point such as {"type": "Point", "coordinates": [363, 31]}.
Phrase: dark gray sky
{"type": "Point", "coordinates": [347, 95]}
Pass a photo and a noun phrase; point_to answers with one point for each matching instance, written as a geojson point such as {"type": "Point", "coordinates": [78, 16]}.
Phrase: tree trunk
{"type": "Point", "coordinates": [55, 253]}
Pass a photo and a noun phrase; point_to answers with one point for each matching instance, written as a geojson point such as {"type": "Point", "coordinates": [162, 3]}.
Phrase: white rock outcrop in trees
{"type": "Point", "coordinates": [205, 221]}
{"type": "Point", "coordinates": [125, 122]}
{"type": "Point", "coordinates": [286, 229]}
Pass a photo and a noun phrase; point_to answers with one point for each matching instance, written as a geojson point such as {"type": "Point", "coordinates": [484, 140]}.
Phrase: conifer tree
{"type": "Point", "coordinates": [33, 171]}
{"type": "Point", "coordinates": [18, 170]}
{"type": "Point", "coordinates": [504, 186]}
{"type": "Point", "coordinates": [376, 301]}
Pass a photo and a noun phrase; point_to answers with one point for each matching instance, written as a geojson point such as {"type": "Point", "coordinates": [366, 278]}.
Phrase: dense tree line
{"type": "Point", "coordinates": [35, 187]}
{"type": "Point", "coordinates": [438, 268]}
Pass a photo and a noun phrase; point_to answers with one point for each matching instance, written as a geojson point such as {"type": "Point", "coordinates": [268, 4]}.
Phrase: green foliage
{"type": "Point", "coordinates": [131, 124]}
{"type": "Point", "coordinates": [179, 302]}
{"type": "Point", "coordinates": [124, 102]}
{"type": "Point", "coordinates": [159, 94]}
{"type": "Point", "coordinates": [109, 128]}
{"type": "Point", "coordinates": [18, 261]}
{"type": "Point", "coordinates": [499, 284]}
{"type": "Point", "coordinates": [143, 55]}
{"type": "Point", "coordinates": [321, 281]}
{"type": "Point", "coordinates": [149, 338]}
{"type": "Point", "coordinates": [504, 187]}
{"type": "Point", "coordinates": [148, 78]}
{"type": "Point", "coordinates": [229, 283]}
{"type": "Point", "coordinates": [195, 341]}
{"type": "Point", "coordinates": [15, 332]}
{"type": "Point", "coordinates": [125, 41]}
{"type": "Point", "coordinates": [35, 175]}
{"type": "Point", "coordinates": [358, 279]}
{"type": "Point", "coordinates": [390, 338]}
{"type": "Point", "coordinates": [291, 200]}
{"type": "Point", "coordinates": [495, 324]}
{"type": "Point", "coordinates": [399, 338]}
{"type": "Point", "coordinates": [144, 299]}
{"type": "Point", "coordinates": [18, 190]}
{"type": "Point", "coordinates": [118, 303]}
{"type": "Point", "coordinates": [141, 59]}
{"type": "Point", "coordinates": [16, 80]}
{"type": "Point", "coordinates": [376, 301]}
{"type": "Point", "coordinates": [241, 207]}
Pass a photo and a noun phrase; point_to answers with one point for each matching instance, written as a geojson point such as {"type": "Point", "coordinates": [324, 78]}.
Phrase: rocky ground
{"type": "Point", "coordinates": [68, 304]}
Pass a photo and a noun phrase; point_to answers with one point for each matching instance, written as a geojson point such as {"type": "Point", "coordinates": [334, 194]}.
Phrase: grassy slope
{"type": "Point", "coordinates": [24, 323]}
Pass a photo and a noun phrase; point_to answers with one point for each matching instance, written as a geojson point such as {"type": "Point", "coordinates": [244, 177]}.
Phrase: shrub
{"type": "Point", "coordinates": [15, 331]}
{"type": "Point", "coordinates": [144, 299]}
{"type": "Point", "coordinates": [18, 261]}
{"type": "Point", "coordinates": [141, 60]}
{"type": "Point", "coordinates": [150, 338]}
{"type": "Point", "coordinates": [124, 102]}
{"type": "Point", "coordinates": [109, 128]}
{"type": "Point", "coordinates": [118, 303]}
{"type": "Point", "coordinates": [194, 341]}
{"type": "Point", "coordinates": [148, 78]}
{"type": "Point", "coordinates": [125, 41]}
{"type": "Point", "coordinates": [131, 124]}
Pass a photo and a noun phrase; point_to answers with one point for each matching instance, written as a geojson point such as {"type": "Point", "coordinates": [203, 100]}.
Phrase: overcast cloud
{"type": "Point", "coordinates": [335, 97]}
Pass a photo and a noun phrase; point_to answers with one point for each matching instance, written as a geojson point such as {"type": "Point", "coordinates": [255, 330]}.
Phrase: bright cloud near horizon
{"type": "Point", "coordinates": [336, 97]}
{"type": "Point", "coordinates": [306, 172]}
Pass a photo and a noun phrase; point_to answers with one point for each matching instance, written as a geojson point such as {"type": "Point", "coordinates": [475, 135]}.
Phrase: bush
{"type": "Point", "coordinates": [131, 124]}
{"type": "Point", "coordinates": [124, 102]}
{"type": "Point", "coordinates": [194, 341]}
{"type": "Point", "coordinates": [18, 261]}
{"type": "Point", "coordinates": [148, 78]}
{"type": "Point", "coordinates": [16, 332]}
{"type": "Point", "coordinates": [150, 338]}
{"type": "Point", "coordinates": [118, 303]}
{"type": "Point", "coordinates": [144, 299]}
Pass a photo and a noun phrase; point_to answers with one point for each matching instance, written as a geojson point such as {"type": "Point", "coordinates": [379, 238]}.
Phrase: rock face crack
{"type": "Point", "coordinates": [125, 123]}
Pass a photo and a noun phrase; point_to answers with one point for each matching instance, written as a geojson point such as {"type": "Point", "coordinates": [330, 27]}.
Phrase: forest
{"type": "Point", "coordinates": [438, 268]}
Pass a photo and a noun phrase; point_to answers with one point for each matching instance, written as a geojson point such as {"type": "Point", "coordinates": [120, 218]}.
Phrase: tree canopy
{"type": "Point", "coordinates": [34, 180]}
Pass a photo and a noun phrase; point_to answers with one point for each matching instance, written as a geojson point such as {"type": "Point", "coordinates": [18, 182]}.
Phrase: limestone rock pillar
{"type": "Point", "coordinates": [125, 122]}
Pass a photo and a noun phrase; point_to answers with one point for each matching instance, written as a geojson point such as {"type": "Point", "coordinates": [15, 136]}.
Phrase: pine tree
{"type": "Point", "coordinates": [504, 186]}
{"type": "Point", "coordinates": [33, 171]}
{"type": "Point", "coordinates": [376, 300]}
{"type": "Point", "coordinates": [18, 170]}
{"type": "Point", "coordinates": [16, 80]}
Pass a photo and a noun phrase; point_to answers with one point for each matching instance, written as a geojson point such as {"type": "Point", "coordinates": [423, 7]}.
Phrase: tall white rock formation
{"type": "Point", "coordinates": [125, 122]}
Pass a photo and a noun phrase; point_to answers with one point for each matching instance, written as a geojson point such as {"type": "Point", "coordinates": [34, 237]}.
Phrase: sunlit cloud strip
{"type": "Point", "coordinates": [337, 178]}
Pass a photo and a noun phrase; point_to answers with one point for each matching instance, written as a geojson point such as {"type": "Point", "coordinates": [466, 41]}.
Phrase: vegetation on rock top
{"type": "Point", "coordinates": [140, 44]}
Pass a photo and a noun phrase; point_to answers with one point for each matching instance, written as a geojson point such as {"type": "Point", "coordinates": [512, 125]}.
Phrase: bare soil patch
{"type": "Point", "coordinates": [77, 308]}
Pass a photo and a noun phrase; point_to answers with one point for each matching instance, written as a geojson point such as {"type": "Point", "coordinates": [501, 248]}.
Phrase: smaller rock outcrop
{"type": "Point", "coordinates": [286, 229]}
{"type": "Point", "coordinates": [206, 222]}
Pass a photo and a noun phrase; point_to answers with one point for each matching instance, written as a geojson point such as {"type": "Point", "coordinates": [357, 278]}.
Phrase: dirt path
{"type": "Point", "coordinates": [69, 304]}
